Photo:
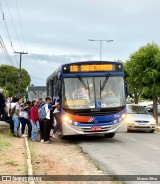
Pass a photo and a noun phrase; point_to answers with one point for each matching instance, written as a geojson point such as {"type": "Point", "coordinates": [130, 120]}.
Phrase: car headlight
{"type": "Point", "coordinates": [153, 121]}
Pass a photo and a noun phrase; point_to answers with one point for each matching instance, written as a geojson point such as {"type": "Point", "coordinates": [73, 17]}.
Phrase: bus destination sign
{"type": "Point", "coordinates": [89, 68]}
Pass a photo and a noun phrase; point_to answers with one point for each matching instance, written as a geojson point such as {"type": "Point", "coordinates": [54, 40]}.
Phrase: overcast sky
{"type": "Point", "coordinates": [57, 31]}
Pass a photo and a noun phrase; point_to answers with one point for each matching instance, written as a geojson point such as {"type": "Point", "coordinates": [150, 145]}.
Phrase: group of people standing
{"type": "Point", "coordinates": [38, 116]}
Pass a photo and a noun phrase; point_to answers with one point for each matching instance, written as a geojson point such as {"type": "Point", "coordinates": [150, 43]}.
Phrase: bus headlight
{"type": "Point", "coordinates": [123, 116]}
{"type": "Point", "coordinates": [66, 119]}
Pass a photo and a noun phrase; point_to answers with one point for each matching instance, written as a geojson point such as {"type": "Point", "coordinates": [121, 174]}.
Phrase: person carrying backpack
{"type": "Point", "coordinates": [42, 116]}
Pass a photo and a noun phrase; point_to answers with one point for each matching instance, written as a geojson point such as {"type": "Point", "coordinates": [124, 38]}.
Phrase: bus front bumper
{"type": "Point", "coordinates": [68, 129]}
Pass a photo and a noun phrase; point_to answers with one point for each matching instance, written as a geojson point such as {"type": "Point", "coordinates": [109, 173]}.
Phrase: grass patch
{"type": "Point", "coordinates": [11, 162]}
{"type": "Point", "coordinates": [158, 129]}
{"type": "Point", "coordinates": [5, 142]}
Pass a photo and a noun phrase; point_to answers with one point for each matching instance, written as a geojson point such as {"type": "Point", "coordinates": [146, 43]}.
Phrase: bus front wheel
{"type": "Point", "coordinates": [64, 137]}
{"type": "Point", "coordinates": [110, 135]}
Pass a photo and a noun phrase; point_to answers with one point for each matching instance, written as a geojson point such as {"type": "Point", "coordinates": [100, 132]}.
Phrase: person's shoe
{"type": "Point", "coordinates": [59, 133]}
{"type": "Point", "coordinates": [19, 135]}
{"type": "Point", "coordinates": [42, 140]}
{"type": "Point", "coordinates": [15, 134]}
{"type": "Point", "coordinates": [54, 136]}
{"type": "Point", "coordinates": [24, 135]}
{"type": "Point", "coordinates": [47, 142]}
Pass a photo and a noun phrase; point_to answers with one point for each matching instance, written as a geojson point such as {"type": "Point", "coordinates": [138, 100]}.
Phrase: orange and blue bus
{"type": "Point", "coordinates": [93, 97]}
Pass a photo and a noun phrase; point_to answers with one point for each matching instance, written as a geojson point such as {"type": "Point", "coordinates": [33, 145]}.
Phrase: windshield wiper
{"type": "Point", "coordinates": [86, 86]}
{"type": "Point", "coordinates": [82, 81]}
{"type": "Point", "coordinates": [104, 84]}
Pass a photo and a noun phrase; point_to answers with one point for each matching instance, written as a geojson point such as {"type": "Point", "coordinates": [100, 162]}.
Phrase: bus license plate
{"type": "Point", "coordinates": [96, 128]}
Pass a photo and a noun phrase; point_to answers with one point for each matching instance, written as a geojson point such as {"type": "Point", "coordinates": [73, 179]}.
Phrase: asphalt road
{"type": "Point", "coordinates": [134, 153]}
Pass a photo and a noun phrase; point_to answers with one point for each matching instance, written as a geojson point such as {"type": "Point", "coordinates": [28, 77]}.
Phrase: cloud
{"type": "Point", "coordinates": [57, 32]}
{"type": "Point", "coordinates": [40, 66]}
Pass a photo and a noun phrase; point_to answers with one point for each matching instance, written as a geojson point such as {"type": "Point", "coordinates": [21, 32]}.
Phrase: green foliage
{"type": "Point", "coordinates": [9, 80]}
{"type": "Point", "coordinates": [143, 70]}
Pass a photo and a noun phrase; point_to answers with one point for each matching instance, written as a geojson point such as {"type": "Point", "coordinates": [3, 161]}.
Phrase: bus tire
{"type": "Point", "coordinates": [64, 137]}
{"type": "Point", "coordinates": [109, 135]}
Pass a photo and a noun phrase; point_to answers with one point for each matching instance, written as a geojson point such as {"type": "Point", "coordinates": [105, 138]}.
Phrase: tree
{"type": "Point", "coordinates": [134, 84]}
{"type": "Point", "coordinates": [143, 70]}
{"type": "Point", "coordinates": [9, 79]}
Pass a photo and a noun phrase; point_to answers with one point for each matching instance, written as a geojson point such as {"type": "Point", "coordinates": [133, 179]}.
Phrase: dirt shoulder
{"type": "Point", "coordinates": [61, 158]}
{"type": "Point", "coordinates": [58, 158]}
{"type": "Point", "coordinates": [12, 156]}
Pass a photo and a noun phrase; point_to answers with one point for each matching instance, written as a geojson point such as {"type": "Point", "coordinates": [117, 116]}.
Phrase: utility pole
{"type": "Point", "coordinates": [20, 72]}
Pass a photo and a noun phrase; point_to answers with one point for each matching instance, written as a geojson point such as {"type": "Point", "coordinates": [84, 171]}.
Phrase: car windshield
{"type": "Point", "coordinates": [132, 109]}
{"type": "Point", "coordinates": [93, 92]}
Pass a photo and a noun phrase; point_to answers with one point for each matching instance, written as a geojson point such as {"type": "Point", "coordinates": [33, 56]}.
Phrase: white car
{"type": "Point", "coordinates": [138, 118]}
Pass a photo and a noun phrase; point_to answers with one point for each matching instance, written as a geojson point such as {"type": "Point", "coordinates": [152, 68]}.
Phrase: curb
{"type": "Point", "coordinates": [29, 164]}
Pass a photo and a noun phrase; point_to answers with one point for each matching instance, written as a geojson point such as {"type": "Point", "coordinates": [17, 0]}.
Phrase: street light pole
{"type": "Point", "coordinates": [100, 44]}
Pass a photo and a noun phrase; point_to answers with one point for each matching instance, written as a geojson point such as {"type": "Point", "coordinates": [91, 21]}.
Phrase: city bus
{"type": "Point", "coordinates": [36, 92]}
{"type": "Point", "coordinates": [92, 97]}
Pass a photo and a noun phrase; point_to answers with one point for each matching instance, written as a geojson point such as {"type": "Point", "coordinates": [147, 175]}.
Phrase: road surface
{"type": "Point", "coordinates": [125, 154]}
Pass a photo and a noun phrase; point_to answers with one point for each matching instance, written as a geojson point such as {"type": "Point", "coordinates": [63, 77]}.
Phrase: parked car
{"type": "Point", "coordinates": [138, 118]}
{"type": "Point", "coordinates": [150, 108]}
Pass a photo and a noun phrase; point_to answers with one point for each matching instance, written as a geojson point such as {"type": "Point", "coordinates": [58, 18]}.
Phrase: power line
{"type": "Point", "coordinates": [20, 24]}
{"type": "Point", "coordinates": [8, 35]}
{"type": "Point", "coordinates": [13, 25]}
{"type": "Point", "coordinates": [5, 51]}
{"type": "Point", "coordinates": [5, 29]}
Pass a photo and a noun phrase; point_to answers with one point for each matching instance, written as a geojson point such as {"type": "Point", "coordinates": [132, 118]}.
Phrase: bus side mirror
{"type": "Point", "coordinates": [126, 88]}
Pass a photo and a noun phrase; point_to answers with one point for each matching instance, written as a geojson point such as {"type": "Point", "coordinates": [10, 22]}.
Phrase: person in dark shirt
{"type": "Point", "coordinates": [2, 105]}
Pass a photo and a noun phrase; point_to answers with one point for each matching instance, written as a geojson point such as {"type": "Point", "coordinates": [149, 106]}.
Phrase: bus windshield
{"type": "Point", "coordinates": [93, 92]}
